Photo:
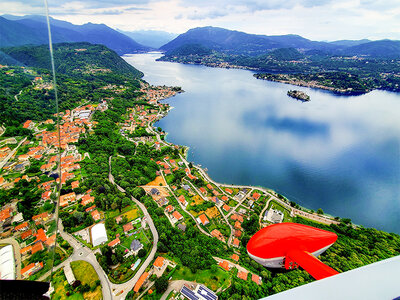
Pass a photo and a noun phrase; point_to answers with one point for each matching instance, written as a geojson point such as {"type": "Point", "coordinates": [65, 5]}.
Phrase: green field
{"type": "Point", "coordinates": [60, 283]}
{"type": "Point", "coordinates": [212, 280]}
{"type": "Point", "coordinates": [85, 273]}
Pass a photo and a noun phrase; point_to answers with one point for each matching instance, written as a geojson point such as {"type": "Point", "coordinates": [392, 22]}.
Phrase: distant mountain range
{"type": "Point", "coordinates": [16, 31]}
{"type": "Point", "coordinates": [150, 38]}
{"type": "Point", "coordinates": [236, 42]}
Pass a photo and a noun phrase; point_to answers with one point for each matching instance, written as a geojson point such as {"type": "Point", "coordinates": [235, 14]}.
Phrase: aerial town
{"type": "Point", "coordinates": [183, 193]}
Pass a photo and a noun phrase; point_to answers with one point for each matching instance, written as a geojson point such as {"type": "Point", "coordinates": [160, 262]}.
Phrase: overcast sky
{"type": "Point", "coordinates": [313, 19]}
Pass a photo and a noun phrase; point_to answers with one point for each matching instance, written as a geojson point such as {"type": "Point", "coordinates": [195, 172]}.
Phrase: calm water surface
{"type": "Point", "coordinates": [340, 154]}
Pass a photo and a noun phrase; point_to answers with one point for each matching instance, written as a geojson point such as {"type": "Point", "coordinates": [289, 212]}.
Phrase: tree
{"type": "Point", "coordinates": [161, 284]}
{"type": "Point", "coordinates": [320, 211]}
{"type": "Point", "coordinates": [142, 253]}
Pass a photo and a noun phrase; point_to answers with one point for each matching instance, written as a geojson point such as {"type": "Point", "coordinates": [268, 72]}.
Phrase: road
{"type": "Point", "coordinates": [319, 218]}
{"type": "Point", "coordinates": [4, 161]}
{"type": "Point", "coordinates": [127, 286]}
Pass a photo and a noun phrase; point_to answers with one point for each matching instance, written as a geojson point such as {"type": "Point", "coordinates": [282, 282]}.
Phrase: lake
{"type": "Point", "coordinates": [338, 153]}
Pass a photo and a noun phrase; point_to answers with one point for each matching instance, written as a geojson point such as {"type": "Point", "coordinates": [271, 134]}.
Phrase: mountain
{"type": "Point", "coordinates": [150, 38]}
{"type": "Point", "coordinates": [381, 49]}
{"type": "Point", "coordinates": [349, 43]}
{"type": "Point", "coordinates": [16, 31]}
{"type": "Point", "coordinates": [237, 42]}
{"type": "Point", "coordinates": [72, 58]}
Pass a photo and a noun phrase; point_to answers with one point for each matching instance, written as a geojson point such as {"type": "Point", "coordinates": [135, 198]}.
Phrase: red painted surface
{"type": "Point", "coordinates": [294, 242]}
{"type": "Point", "coordinates": [276, 240]}
{"type": "Point", "coordinates": [311, 264]}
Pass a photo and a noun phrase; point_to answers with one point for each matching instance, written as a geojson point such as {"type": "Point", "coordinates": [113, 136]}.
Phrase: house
{"type": "Point", "coordinates": [25, 250]}
{"type": "Point", "coordinates": [5, 214]}
{"type": "Point", "coordinates": [238, 233]}
{"type": "Point", "coordinates": [237, 217]}
{"type": "Point", "coordinates": [95, 215]}
{"type": "Point", "coordinates": [40, 236]}
{"type": "Point", "coordinates": [154, 192]}
{"type": "Point", "coordinates": [229, 191]}
{"type": "Point", "coordinates": [140, 282]}
{"type": "Point", "coordinates": [203, 219]}
{"type": "Point", "coordinates": [235, 257]}
{"type": "Point", "coordinates": [31, 269]}
{"type": "Point", "coordinates": [41, 218]}
{"type": "Point", "coordinates": [46, 195]}
{"type": "Point", "coordinates": [75, 184]}
{"type": "Point", "coordinates": [22, 227]}
{"type": "Point", "coordinates": [127, 227]}
{"type": "Point", "coordinates": [226, 207]}
{"type": "Point", "coordinates": [238, 225]}
{"type": "Point", "coordinates": [67, 199]}
{"type": "Point", "coordinates": [176, 216]}
{"type": "Point", "coordinates": [256, 279]}
{"type": "Point", "coordinates": [114, 243]}
{"type": "Point", "coordinates": [159, 263]}
{"type": "Point", "coordinates": [89, 209]}
{"type": "Point", "coordinates": [186, 187]}
{"type": "Point", "coordinates": [136, 245]}
{"type": "Point", "coordinates": [163, 201]}
{"type": "Point", "coordinates": [224, 265]}
{"type": "Point", "coordinates": [169, 209]}
{"type": "Point", "coordinates": [182, 227]}
{"type": "Point", "coordinates": [256, 196]}
{"type": "Point", "coordinates": [69, 274]}
{"type": "Point", "coordinates": [203, 190]}
{"type": "Point", "coordinates": [224, 198]}
{"type": "Point", "coordinates": [26, 234]}
{"type": "Point", "coordinates": [182, 200]}
{"type": "Point", "coordinates": [86, 199]}
{"type": "Point", "coordinates": [242, 275]}
{"type": "Point", "coordinates": [209, 186]}
{"type": "Point", "coordinates": [37, 247]}
{"type": "Point", "coordinates": [216, 233]}
{"type": "Point", "coordinates": [235, 243]}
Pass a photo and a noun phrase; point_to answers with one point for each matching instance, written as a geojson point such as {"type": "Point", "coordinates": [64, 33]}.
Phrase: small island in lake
{"type": "Point", "coordinates": [298, 95]}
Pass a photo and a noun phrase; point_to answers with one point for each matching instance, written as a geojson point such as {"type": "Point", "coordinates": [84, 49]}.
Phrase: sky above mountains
{"type": "Point", "coordinates": [313, 19]}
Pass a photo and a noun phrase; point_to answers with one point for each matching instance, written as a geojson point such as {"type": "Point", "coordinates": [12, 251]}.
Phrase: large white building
{"type": "Point", "coordinates": [99, 234]}
{"type": "Point", "coordinates": [7, 265]}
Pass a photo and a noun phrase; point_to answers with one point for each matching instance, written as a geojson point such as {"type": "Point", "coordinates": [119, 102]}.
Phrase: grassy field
{"type": "Point", "coordinates": [85, 273]}
{"type": "Point", "coordinates": [132, 214]}
{"type": "Point", "coordinates": [59, 283]}
{"type": "Point", "coordinates": [212, 280]}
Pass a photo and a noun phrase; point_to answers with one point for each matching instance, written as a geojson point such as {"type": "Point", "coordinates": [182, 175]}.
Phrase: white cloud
{"type": "Point", "coordinates": [314, 19]}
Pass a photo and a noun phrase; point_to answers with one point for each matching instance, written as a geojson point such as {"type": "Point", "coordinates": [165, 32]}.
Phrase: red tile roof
{"type": "Point", "coordinates": [203, 219]}
{"type": "Point", "coordinates": [177, 215]}
{"type": "Point", "coordinates": [242, 275]}
{"type": "Point", "coordinates": [256, 278]}
{"type": "Point", "coordinates": [127, 227]}
{"type": "Point", "coordinates": [140, 282]}
{"type": "Point", "coordinates": [226, 207]}
{"type": "Point", "coordinates": [22, 226]}
{"type": "Point", "coordinates": [115, 242]}
{"type": "Point", "coordinates": [235, 257]}
{"type": "Point", "coordinates": [256, 196]}
{"type": "Point", "coordinates": [224, 264]}
{"type": "Point", "coordinates": [235, 242]}
{"type": "Point", "coordinates": [159, 262]}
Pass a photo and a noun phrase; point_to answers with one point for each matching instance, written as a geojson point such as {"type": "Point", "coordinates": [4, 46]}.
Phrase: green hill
{"type": "Point", "coordinates": [73, 58]}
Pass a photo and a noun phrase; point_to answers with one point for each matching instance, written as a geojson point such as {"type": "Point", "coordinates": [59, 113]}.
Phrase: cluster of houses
{"type": "Point", "coordinates": [242, 273]}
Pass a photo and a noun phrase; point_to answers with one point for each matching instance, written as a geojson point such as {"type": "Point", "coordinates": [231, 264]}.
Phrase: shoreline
{"type": "Point", "coordinates": [299, 211]}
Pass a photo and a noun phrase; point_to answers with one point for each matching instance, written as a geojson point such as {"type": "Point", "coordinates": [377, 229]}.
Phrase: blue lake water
{"type": "Point", "coordinates": [341, 154]}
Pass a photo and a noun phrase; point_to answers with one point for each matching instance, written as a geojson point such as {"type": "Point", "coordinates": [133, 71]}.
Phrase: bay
{"type": "Point", "coordinates": [338, 153]}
